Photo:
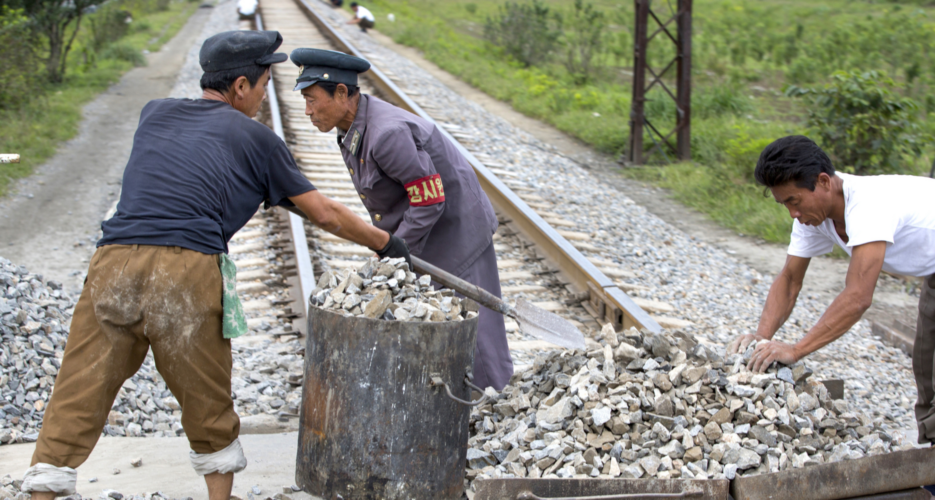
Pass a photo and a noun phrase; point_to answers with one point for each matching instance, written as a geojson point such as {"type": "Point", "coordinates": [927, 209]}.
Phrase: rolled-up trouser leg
{"type": "Point", "coordinates": [105, 347]}
{"type": "Point", "coordinates": [48, 478]}
{"type": "Point", "coordinates": [191, 354]}
{"type": "Point", "coordinates": [923, 362]}
{"type": "Point", "coordinates": [230, 459]}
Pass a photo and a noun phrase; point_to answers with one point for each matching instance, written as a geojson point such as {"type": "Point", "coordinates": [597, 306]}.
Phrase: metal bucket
{"type": "Point", "coordinates": [379, 418]}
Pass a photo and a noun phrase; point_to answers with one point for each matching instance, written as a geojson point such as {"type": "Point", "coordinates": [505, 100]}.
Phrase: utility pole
{"type": "Point", "coordinates": [682, 62]}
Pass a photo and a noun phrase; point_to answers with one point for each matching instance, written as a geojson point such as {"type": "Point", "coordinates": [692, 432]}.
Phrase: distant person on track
{"type": "Point", "coordinates": [415, 184]}
{"type": "Point", "coordinates": [362, 17]}
{"type": "Point", "coordinates": [161, 278]}
{"type": "Point", "coordinates": [884, 222]}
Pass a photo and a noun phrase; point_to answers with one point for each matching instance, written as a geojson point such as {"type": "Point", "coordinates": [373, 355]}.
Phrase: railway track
{"type": "Point", "coordinates": [539, 252]}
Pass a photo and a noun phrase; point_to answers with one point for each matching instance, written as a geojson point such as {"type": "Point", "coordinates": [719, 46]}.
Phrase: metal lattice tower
{"type": "Point", "coordinates": [661, 143]}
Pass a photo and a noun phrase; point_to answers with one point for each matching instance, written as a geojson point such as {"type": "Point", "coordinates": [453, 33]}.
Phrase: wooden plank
{"type": "Point", "coordinates": [257, 305]}
{"type": "Point", "coordinates": [254, 262]}
{"type": "Point", "coordinates": [248, 247]}
{"type": "Point", "coordinates": [255, 274]}
{"type": "Point", "coordinates": [653, 305]}
{"type": "Point", "coordinates": [252, 288]}
{"type": "Point", "coordinates": [574, 235]}
{"type": "Point", "coordinates": [551, 305]}
{"type": "Point", "coordinates": [516, 275]}
{"type": "Point", "coordinates": [671, 323]}
{"type": "Point", "coordinates": [523, 289]}
{"type": "Point", "coordinates": [508, 264]}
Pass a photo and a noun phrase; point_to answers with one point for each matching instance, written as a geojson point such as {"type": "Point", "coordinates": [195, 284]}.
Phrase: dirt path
{"type": "Point", "coordinates": [825, 276]}
{"type": "Point", "coordinates": [52, 219]}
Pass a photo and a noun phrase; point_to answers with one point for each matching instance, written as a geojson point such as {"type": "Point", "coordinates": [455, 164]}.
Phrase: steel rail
{"type": "Point", "coordinates": [617, 307]}
{"type": "Point", "coordinates": [305, 278]}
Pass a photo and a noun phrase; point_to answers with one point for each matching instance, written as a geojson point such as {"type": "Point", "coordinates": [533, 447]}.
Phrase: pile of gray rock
{"type": "Point", "coordinates": [34, 315]}
{"type": "Point", "coordinates": [34, 318]}
{"type": "Point", "coordinates": [663, 406]}
{"type": "Point", "coordinates": [386, 289]}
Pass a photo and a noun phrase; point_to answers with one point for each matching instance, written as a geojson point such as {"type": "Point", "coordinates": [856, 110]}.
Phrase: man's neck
{"type": "Point", "coordinates": [214, 95]}
{"type": "Point", "coordinates": [348, 120]}
{"type": "Point", "coordinates": [838, 201]}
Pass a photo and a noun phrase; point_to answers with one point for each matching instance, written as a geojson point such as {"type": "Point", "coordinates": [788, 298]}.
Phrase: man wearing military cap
{"type": "Point", "coordinates": [415, 184]}
{"type": "Point", "coordinates": [161, 279]}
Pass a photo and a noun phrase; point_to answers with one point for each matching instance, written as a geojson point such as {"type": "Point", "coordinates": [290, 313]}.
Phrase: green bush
{"type": "Point", "coordinates": [141, 27]}
{"type": "Point", "coordinates": [720, 100]}
{"type": "Point", "coordinates": [861, 123]}
{"type": "Point", "coordinates": [471, 8]}
{"type": "Point", "coordinates": [585, 28]}
{"type": "Point", "coordinates": [124, 52]}
{"type": "Point", "coordinates": [526, 32]}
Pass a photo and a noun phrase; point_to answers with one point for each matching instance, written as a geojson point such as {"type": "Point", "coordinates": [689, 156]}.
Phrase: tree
{"type": "Point", "coordinates": [528, 33]}
{"type": "Point", "coordinates": [19, 66]}
{"type": "Point", "coordinates": [58, 21]}
{"type": "Point", "coordinates": [862, 123]}
{"type": "Point", "coordinates": [585, 32]}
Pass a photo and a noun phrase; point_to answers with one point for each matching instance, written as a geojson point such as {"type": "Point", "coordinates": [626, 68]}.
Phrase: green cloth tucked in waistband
{"type": "Point", "coordinates": [234, 321]}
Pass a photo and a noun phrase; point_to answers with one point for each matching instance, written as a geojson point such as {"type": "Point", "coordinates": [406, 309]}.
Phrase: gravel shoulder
{"type": "Point", "coordinates": [51, 220]}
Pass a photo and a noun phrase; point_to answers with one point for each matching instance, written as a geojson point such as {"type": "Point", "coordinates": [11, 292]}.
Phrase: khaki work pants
{"type": "Point", "coordinates": [138, 297]}
{"type": "Point", "coordinates": [923, 362]}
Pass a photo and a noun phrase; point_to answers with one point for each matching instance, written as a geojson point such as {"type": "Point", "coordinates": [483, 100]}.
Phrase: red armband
{"type": "Point", "coordinates": [425, 191]}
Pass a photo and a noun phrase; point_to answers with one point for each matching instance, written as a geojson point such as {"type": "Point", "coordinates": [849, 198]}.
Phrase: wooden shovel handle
{"type": "Point", "coordinates": [469, 290]}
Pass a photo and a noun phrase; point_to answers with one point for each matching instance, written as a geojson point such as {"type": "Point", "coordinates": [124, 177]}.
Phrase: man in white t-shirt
{"type": "Point", "coordinates": [883, 222]}
{"type": "Point", "coordinates": [362, 17]}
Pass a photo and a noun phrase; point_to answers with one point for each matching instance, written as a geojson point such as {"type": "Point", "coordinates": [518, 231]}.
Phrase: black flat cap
{"type": "Point", "coordinates": [317, 65]}
{"type": "Point", "coordinates": [236, 49]}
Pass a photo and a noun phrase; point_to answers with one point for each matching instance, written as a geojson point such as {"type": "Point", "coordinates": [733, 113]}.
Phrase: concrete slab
{"type": "Point", "coordinates": [166, 467]}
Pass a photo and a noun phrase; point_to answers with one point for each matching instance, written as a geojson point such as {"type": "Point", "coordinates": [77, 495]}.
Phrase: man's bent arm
{"type": "Point", "coordinates": [779, 303]}
{"type": "Point", "coordinates": [338, 220]}
{"type": "Point", "coordinates": [849, 305]}
{"type": "Point", "coordinates": [782, 296]}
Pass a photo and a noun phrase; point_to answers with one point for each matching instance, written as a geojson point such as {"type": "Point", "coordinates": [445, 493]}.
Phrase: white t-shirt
{"type": "Point", "coordinates": [897, 209]}
{"type": "Point", "coordinates": [363, 13]}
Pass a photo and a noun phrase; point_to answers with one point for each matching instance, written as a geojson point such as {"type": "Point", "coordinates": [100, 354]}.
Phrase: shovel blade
{"type": "Point", "coordinates": [546, 326]}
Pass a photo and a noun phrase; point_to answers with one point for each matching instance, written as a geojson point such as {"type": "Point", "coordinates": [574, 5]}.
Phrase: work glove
{"type": "Point", "coordinates": [396, 248]}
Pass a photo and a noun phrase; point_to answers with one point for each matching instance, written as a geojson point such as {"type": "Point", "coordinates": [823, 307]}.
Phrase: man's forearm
{"type": "Point", "coordinates": [840, 316]}
{"type": "Point", "coordinates": [349, 226]}
{"type": "Point", "coordinates": [779, 304]}
{"type": "Point", "coordinates": [338, 220]}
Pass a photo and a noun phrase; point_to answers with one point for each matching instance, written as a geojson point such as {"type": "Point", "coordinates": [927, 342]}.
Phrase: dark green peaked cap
{"type": "Point", "coordinates": [317, 65]}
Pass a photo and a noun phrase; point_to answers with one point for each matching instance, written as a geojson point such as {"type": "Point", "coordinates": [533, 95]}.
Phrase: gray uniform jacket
{"type": "Point", "coordinates": [416, 184]}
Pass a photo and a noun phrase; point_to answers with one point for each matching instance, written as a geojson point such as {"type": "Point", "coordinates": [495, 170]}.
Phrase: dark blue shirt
{"type": "Point", "coordinates": [198, 171]}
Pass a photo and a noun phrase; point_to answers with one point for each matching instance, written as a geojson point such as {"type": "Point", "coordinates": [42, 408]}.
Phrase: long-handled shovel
{"type": "Point", "coordinates": [532, 320]}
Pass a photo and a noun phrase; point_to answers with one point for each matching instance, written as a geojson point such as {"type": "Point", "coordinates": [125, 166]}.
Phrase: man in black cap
{"type": "Point", "coordinates": [415, 184]}
{"type": "Point", "coordinates": [197, 173]}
